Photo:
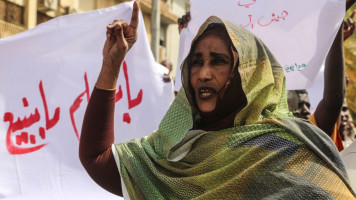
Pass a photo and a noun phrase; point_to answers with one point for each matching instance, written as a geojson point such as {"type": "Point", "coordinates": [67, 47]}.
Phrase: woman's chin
{"type": "Point", "coordinates": [206, 108]}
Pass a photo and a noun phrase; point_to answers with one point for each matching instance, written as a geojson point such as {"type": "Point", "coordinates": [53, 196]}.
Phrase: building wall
{"type": "Point", "coordinates": [11, 18]}
{"type": "Point", "coordinates": [180, 8]}
{"type": "Point", "coordinates": [86, 5]}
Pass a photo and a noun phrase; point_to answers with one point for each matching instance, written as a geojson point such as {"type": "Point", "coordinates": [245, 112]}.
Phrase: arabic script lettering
{"type": "Point", "coordinates": [20, 141]}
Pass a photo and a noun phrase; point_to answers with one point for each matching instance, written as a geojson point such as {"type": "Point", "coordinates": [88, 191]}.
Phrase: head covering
{"type": "Point", "coordinates": [264, 154]}
{"type": "Point", "coordinates": [231, 98]}
{"type": "Point", "coordinates": [262, 77]}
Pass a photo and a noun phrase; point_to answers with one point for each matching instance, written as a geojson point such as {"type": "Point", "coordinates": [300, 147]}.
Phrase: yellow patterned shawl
{"type": "Point", "coordinates": [267, 154]}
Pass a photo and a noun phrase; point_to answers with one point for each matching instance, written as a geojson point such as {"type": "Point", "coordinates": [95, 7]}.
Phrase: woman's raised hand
{"type": "Point", "coordinates": [120, 37]}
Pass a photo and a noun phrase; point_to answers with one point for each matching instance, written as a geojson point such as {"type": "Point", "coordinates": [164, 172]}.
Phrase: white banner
{"type": "Point", "coordinates": [299, 32]}
{"type": "Point", "coordinates": [46, 76]}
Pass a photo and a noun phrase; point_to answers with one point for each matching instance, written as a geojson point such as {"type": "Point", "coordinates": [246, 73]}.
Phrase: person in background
{"type": "Point", "coordinates": [346, 125]}
{"type": "Point", "coordinates": [299, 104]}
{"type": "Point", "coordinates": [167, 77]}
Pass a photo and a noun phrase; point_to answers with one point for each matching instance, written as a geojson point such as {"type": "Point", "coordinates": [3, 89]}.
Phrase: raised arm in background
{"type": "Point", "coordinates": [328, 109]}
{"type": "Point", "coordinates": [98, 126]}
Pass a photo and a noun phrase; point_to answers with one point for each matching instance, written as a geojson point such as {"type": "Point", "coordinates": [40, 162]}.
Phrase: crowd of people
{"type": "Point", "coordinates": [231, 133]}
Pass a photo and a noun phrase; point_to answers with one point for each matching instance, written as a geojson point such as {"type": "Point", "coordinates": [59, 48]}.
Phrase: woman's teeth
{"type": "Point", "coordinates": [205, 92]}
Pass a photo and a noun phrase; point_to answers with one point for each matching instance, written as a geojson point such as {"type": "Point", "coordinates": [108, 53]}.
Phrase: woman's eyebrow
{"type": "Point", "coordinates": [215, 54]}
{"type": "Point", "coordinates": [198, 54]}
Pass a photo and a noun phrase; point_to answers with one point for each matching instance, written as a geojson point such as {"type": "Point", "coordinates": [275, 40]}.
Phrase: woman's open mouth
{"type": "Point", "coordinates": [206, 92]}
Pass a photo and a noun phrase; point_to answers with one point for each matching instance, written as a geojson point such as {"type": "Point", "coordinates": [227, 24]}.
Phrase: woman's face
{"type": "Point", "coordinates": [210, 70]}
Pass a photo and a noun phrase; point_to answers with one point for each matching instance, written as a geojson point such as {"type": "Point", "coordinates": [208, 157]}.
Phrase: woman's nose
{"type": "Point", "coordinates": [205, 73]}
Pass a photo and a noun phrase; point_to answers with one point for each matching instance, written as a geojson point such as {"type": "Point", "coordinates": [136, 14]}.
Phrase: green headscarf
{"type": "Point", "coordinates": [265, 154]}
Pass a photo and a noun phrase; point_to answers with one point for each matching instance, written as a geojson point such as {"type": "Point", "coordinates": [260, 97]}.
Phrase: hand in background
{"type": "Point", "coordinates": [183, 21]}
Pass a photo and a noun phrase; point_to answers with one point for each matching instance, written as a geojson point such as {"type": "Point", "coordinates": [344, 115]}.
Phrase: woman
{"type": "Point", "coordinates": [227, 135]}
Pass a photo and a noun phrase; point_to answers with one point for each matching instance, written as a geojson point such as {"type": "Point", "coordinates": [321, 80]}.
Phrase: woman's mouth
{"type": "Point", "coordinates": [206, 92]}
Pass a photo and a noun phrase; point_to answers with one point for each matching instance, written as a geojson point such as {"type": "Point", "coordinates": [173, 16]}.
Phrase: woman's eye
{"type": "Point", "coordinates": [197, 62]}
{"type": "Point", "coordinates": [220, 61]}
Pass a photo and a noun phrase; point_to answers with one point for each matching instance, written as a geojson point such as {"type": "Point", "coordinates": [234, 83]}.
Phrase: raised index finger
{"type": "Point", "coordinates": [134, 16]}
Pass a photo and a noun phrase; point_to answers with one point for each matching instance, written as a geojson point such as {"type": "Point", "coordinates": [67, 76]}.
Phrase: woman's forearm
{"type": "Point", "coordinates": [96, 139]}
{"type": "Point", "coordinates": [98, 126]}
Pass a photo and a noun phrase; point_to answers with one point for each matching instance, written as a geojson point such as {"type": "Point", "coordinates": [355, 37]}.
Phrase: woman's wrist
{"type": "Point", "coordinates": [108, 75]}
